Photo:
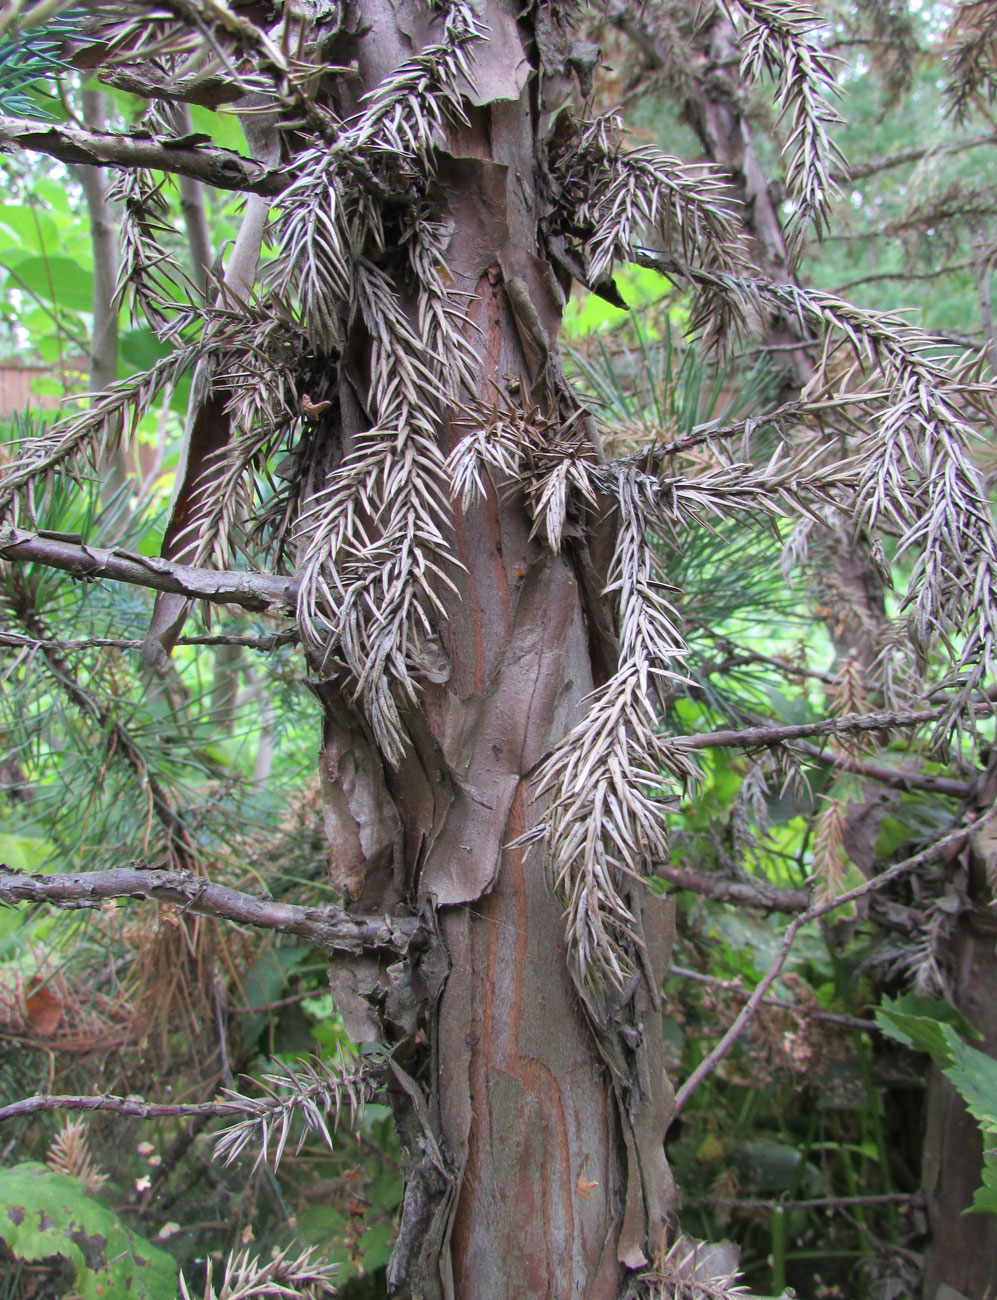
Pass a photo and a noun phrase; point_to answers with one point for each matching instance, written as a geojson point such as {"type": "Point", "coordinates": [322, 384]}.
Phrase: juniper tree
{"type": "Point", "coordinates": [382, 444]}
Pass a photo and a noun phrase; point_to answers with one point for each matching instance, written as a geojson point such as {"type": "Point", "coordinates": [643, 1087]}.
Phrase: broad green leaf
{"type": "Point", "coordinates": [920, 1023]}
{"type": "Point", "coordinates": [140, 349]}
{"type": "Point", "coordinates": [24, 852]}
{"type": "Point", "coordinates": [224, 128]}
{"type": "Point", "coordinates": [974, 1073]}
{"type": "Point", "coordinates": [769, 1166]}
{"type": "Point", "coordinates": [58, 280]}
{"type": "Point", "coordinates": [55, 194]}
{"type": "Point", "coordinates": [265, 981]}
{"type": "Point", "coordinates": [985, 1197]}
{"type": "Point", "coordinates": [45, 1215]}
{"type": "Point", "coordinates": [31, 227]}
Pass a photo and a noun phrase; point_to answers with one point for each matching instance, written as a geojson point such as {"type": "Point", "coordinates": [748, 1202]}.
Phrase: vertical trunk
{"type": "Point", "coordinates": [963, 1250]}
{"type": "Point", "coordinates": [527, 1176]}
{"type": "Point", "coordinates": [195, 215]}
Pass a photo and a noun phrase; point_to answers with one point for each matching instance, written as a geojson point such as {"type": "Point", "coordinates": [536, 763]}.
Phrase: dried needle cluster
{"type": "Point", "coordinates": [312, 1094]}
{"type": "Point", "coordinates": [298, 1276]}
{"type": "Point", "coordinates": [778, 39]}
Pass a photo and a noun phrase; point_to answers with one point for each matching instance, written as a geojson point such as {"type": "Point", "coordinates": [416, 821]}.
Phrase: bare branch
{"type": "Point", "coordinates": [809, 1013]}
{"type": "Point", "coordinates": [710, 1062]}
{"type": "Point", "coordinates": [860, 171]}
{"type": "Point", "coordinates": [247, 641]}
{"type": "Point", "coordinates": [328, 927]}
{"type": "Point", "coordinates": [749, 892]}
{"type": "Point", "coordinates": [255, 591]}
{"type": "Point", "coordinates": [895, 777]}
{"type": "Point", "coordinates": [186, 156]}
{"type": "Point", "coordinates": [135, 1106]}
{"type": "Point", "coordinates": [756, 737]}
{"type": "Point", "coordinates": [813, 1203]}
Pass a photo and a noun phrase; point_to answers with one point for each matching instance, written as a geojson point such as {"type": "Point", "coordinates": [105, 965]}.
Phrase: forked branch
{"type": "Point", "coordinates": [709, 1063]}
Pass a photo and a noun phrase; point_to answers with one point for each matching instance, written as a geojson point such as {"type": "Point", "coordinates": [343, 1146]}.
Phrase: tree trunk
{"type": "Point", "coordinates": [530, 1175]}
{"type": "Point", "coordinates": [963, 1250]}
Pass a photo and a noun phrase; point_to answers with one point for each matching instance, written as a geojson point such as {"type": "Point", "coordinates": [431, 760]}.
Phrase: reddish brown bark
{"type": "Point", "coordinates": [549, 1189]}
{"type": "Point", "coordinates": [963, 1250]}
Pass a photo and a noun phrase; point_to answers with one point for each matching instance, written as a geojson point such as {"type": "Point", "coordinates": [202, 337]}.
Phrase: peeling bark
{"type": "Point", "coordinates": [535, 1170]}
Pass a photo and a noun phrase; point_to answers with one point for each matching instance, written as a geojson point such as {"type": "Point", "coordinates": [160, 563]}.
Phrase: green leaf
{"type": "Point", "coordinates": [974, 1074]}
{"type": "Point", "coordinates": [24, 852]}
{"type": "Point", "coordinates": [45, 1215]}
{"type": "Point", "coordinates": [31, 227]}
{"type": "Point", "coordinates": [264, 983]}
{"type": "Point", "coordinates": [920, 1023]}
{"type": "Point", "coordinates": [985, 1197]}
{"type": "Point", "coordinates": [55, 279]}
{"type": "Point", "coordinates": [935, 1028]}
{"type": "Point", "coordinates": [140, 349]}
{"type": "Point", "coordinates": [224, 128]}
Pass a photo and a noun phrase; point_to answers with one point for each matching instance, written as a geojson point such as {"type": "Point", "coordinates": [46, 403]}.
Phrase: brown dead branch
{"type": "Point", "coordinates": [327, 927]}
{"type": "Point", "coordinates": [187, 156]}
{"type": "Point", "coordinates": [759, 737]}
{"type": "Point", "coordinates": [742, 893]}
{"type": "Point", "coordinates": [255, 591]}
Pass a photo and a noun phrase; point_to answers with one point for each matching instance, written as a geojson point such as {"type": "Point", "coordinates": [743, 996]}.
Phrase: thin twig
{"type": "Point", "coordinates": [738, 990]}
{"type": "Point", "coordinates": [19, 641]}
{"type": "Point", "coordinates": [741, 892]}
{"type": "Point", "coordinates": [949, 269]}
{"type": "Point", "coordinates": [813, 1203]}
{"type": "Point", "coordinates": [710, 1062]}
{"type": "Point", "coordinates": [860, 171]}
{"type": "Point", "coordinates": [895, 777]}
{"type": "Point", "coordinates": [759, 737]}
{"type": "Point", "coordinates": [136, 1106]}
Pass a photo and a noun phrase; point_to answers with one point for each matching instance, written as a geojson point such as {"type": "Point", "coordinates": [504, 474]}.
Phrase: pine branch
{"type": "Point", "coordinates": [327, 927]}
{"type": "Point", "coordinates": [780, 40]}
{"type": "Point", "coordinates": [972, 56]}
{"type": "Point", "coordinates": [117, 738]}
{"type": "Point", "coordinates": [133, 1106]}
{"type": "Point", "coordinates": [310, 1090]}
{"type": "Point", "coordinates": [251, 1277]}
{"type": "Point", "coordinates": [253, 591]}
{"type": "Point", "coordinates": [186, 156]}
